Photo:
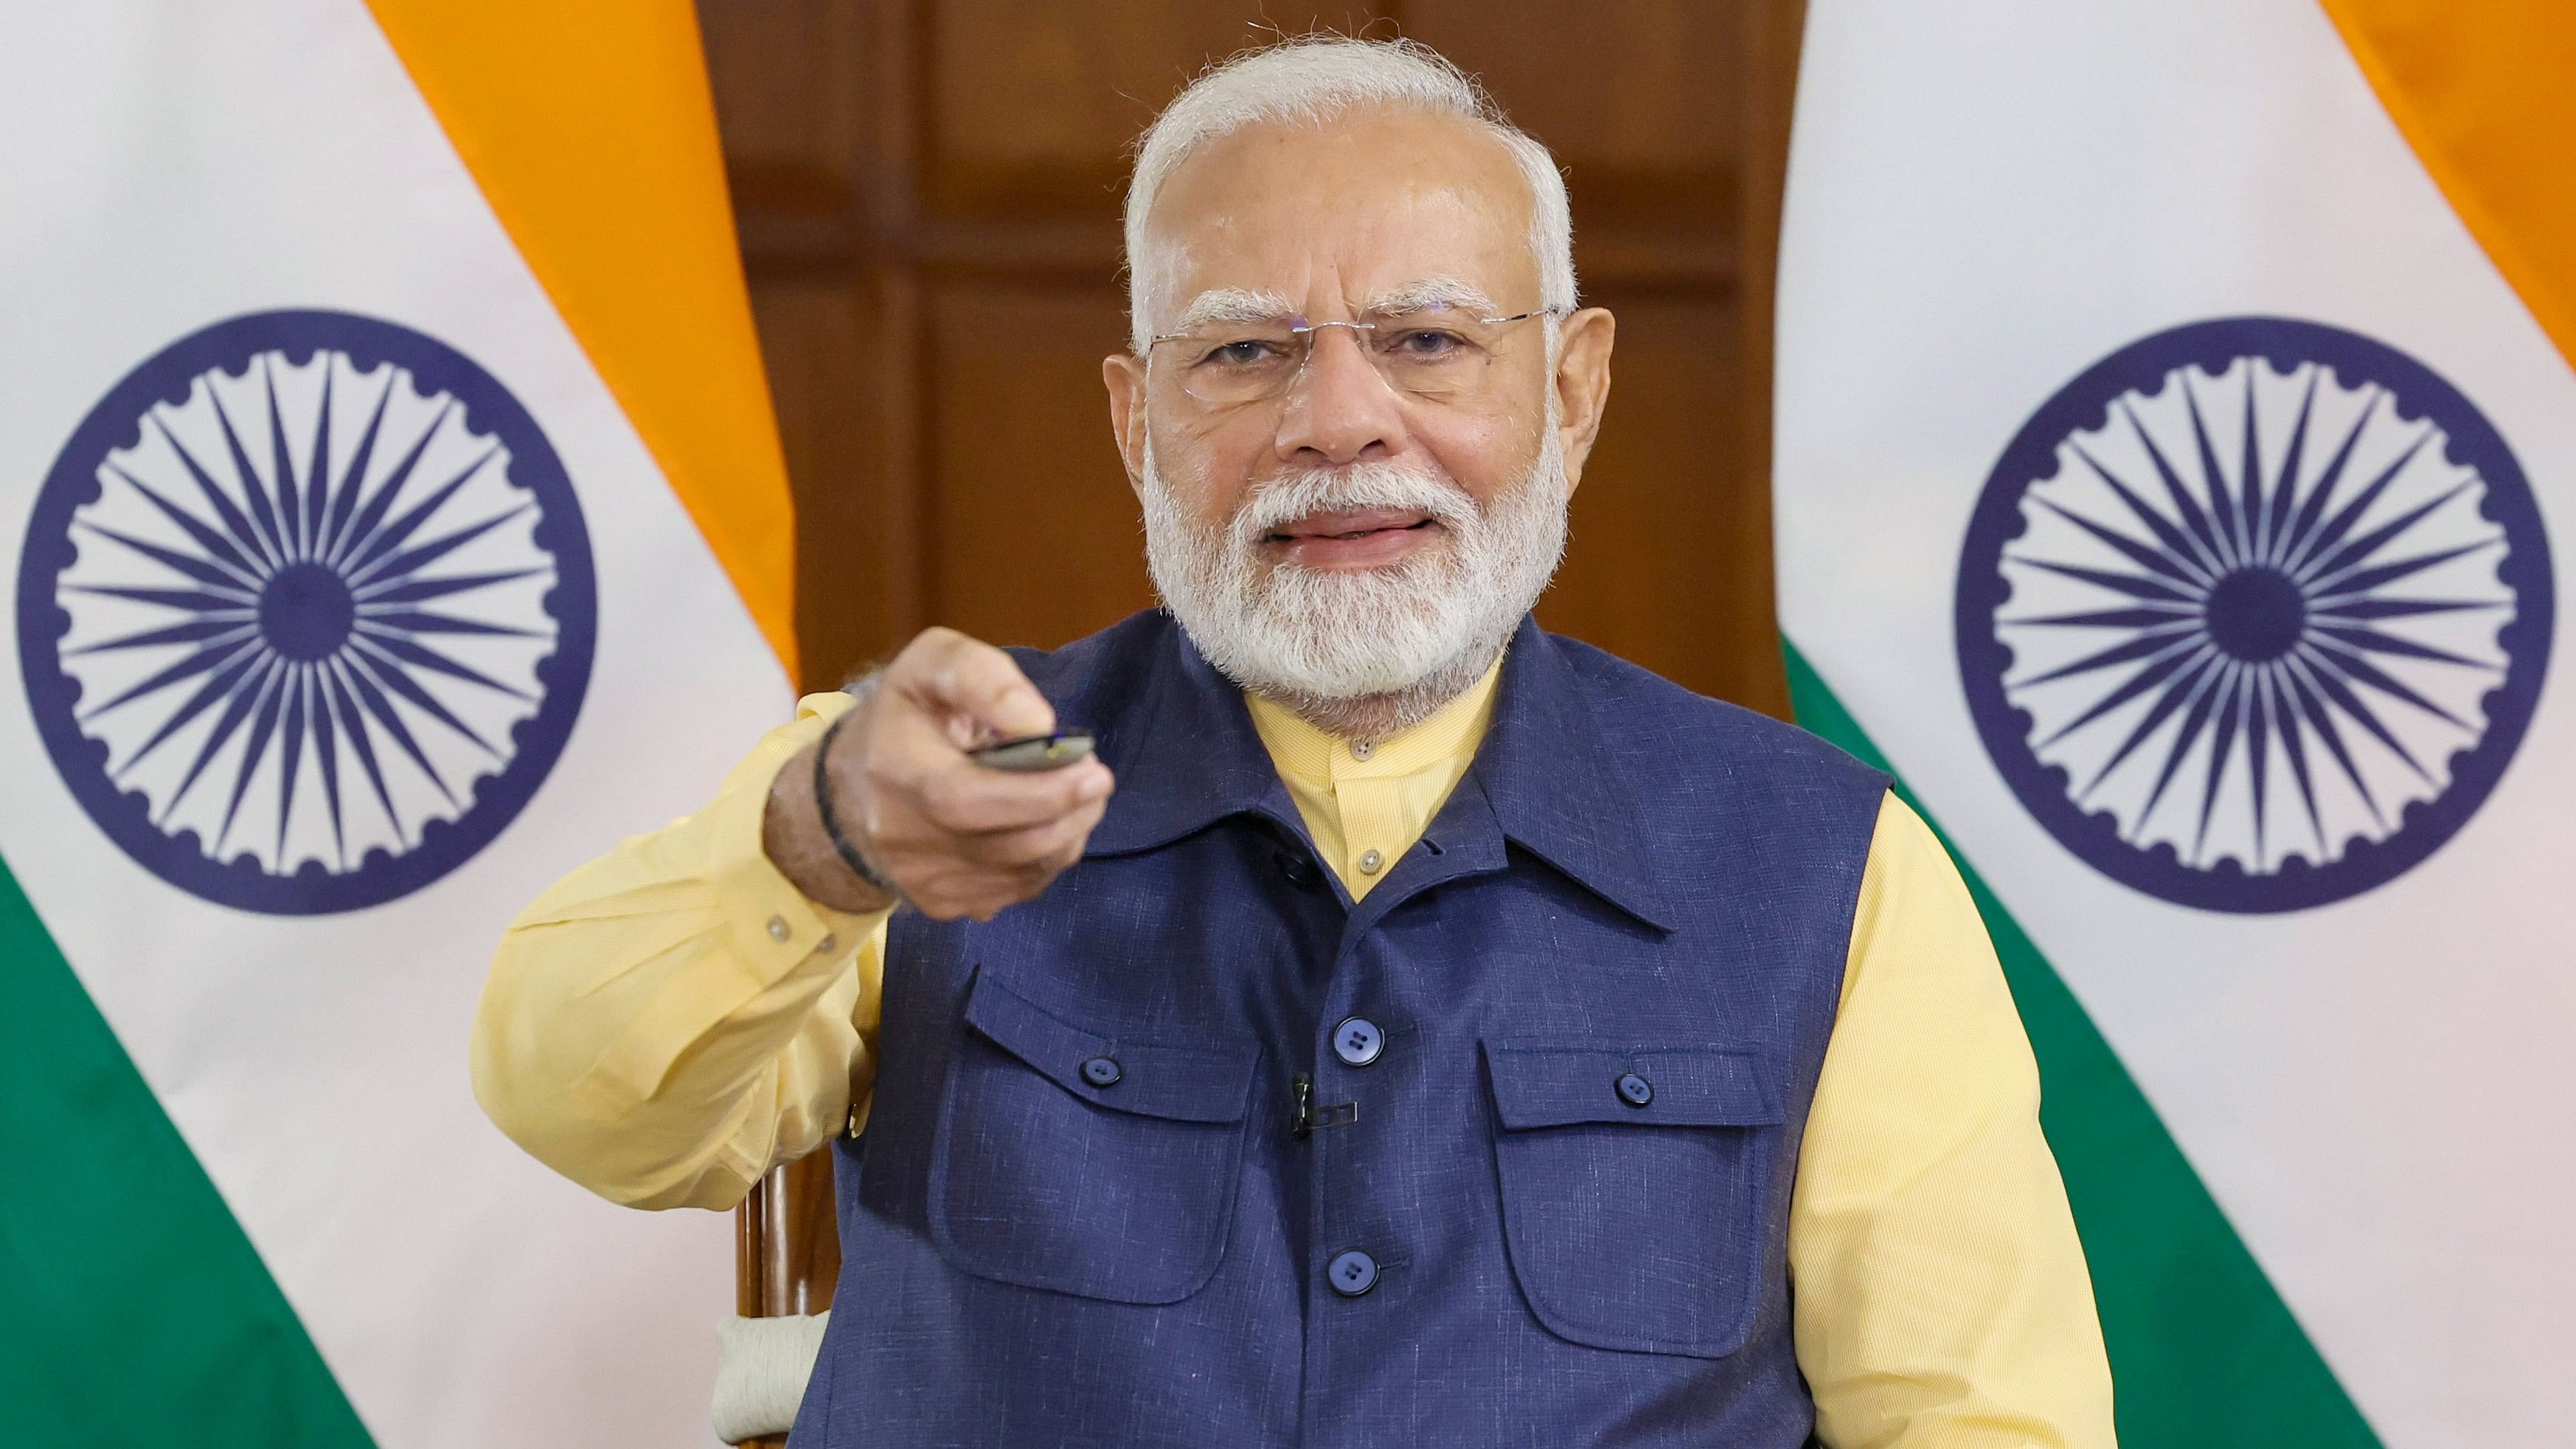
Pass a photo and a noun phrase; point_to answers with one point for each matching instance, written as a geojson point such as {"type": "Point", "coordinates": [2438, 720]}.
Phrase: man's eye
{"type": "Point", "coordinates": [1424, 343]}
{"type": "Point", "coordinates": [1249, 352]}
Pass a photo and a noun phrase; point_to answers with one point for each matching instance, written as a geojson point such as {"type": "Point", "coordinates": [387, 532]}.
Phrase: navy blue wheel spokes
{"type": "Point", "coordinates": [316, 593]}
{"type": "Point", "coordinates": [2248, 603]}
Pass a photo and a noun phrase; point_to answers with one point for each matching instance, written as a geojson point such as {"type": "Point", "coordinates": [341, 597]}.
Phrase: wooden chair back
{"type": "Point", "coordinates": [787, 1247]}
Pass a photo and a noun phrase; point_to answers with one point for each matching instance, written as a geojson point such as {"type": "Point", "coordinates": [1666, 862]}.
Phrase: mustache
{"type": "Point", "coordinates": [1349, 489]}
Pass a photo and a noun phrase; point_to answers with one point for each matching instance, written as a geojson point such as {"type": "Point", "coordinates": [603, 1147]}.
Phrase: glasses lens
{"type": "Point", "coordinates": [1440, 354]}
{"type": "Point", "coordinates": [1443, 357]}
{"type": "Point", "coordinates": [1242, 364]}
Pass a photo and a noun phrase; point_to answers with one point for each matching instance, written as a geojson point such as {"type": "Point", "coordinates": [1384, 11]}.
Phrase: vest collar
{"type": "Point", "coordinates": [1548, 776]}
{"type": "Point", "coordinates": [1186, 755]}
{"type": "Point", "coordinates": [1184, 752]}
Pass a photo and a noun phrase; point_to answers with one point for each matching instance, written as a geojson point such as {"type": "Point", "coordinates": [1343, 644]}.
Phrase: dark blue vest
{"type": "Point", "coordinates": [1541, 1191]}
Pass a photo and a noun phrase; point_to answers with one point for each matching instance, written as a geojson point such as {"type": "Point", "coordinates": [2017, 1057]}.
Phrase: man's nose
{"type": "Point", "coordinates": [1339, 409]}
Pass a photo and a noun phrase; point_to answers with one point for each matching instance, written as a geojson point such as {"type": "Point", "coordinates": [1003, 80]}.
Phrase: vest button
{"type": "Point", "coordinates": [1635, 1090]}
{"type": "Point", "coordinates": [1301, 872]}
{"type": "Point", "coordinates": [1352, 1273]}
{"type": "Point", "coordinates": [1357, 1041]}
{"type": "Point", "coordinates": [1101, 1071]}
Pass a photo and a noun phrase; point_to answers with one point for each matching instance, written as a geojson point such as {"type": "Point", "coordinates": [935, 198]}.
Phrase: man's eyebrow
{"type": "Point", "coordinates": [1232, 304]}
{"type": "Point", "coordinates": [1432, 292]}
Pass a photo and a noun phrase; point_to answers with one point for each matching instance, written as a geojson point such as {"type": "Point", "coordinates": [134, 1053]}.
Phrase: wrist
{"type": "Point", "coordinates": [828, 815]}
{"type": "Point", "coordinates": [793, 838]}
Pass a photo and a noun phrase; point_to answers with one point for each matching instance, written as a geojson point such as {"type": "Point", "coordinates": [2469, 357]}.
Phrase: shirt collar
{"type": "Point", "coordinates": [1187, 754]}
{"type": "Point", "coordinates": [1314, 757]}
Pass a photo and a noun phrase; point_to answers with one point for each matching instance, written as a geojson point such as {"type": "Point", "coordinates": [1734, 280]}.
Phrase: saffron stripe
{"type": "Point", "coordinates": [592, 132]}
{"type": "Point", "coordinates": [2486, 96]}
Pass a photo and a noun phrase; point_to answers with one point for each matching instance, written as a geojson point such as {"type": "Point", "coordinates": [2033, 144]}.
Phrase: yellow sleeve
{"type": "Point", "coordinates": [1942, 1297]}
{"type": "Point", "coordinates": [669, 1021]}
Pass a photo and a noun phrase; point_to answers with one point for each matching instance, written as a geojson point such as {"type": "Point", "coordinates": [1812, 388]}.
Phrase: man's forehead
{"type": "Point", "coordinates": [1350, 213]}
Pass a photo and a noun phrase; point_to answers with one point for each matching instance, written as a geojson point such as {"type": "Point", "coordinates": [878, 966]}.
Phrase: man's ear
{"type": "Point", "coordinates": [1582, 384]}
{"type": "Point", "coordinates": [1125, 377]}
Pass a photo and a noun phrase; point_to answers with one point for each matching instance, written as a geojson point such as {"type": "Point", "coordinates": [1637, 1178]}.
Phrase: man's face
{"type": "Point", "coordinates": [1346, 527]}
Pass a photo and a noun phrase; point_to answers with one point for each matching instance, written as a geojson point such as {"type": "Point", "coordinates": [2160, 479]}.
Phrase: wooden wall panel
{"type": "Point", "coordinates": [1665, 470]}
{"type": "Point", "coordinates": [790, 87]}
{"type": "Point", "coordinates": [1637, 98]}
{"type": "Point", "coordinates": [1030, 107]}
{"type": "Point", "coordinates": [1035, 533]}
{"type": "Point", "coordinates": [819, 338]}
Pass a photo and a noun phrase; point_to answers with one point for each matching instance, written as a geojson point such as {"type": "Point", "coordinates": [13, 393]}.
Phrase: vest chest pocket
{"type": "Point", "coordinates": [1084, 1162]}
{"type": "Point", "coordinates": [1638, 1202]}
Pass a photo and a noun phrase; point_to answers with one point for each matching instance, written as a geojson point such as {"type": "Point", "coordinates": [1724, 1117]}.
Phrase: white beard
{"type": "Point", "coordinates": [1406, 638]}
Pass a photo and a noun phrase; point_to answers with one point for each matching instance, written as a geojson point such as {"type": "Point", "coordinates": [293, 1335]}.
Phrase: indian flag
{"type": "Point", "coordinates": [2175, 427]}
{"type": "Point", "coordinates": [394, 517]}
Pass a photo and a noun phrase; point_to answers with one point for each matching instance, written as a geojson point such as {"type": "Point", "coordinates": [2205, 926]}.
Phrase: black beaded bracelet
{"type": "Point", "coordinates": [831, 818]}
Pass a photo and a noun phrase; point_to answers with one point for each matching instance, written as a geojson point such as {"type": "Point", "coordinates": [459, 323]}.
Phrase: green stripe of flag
{"type": "Point", "coordinates": [2204, 1354]}
{"type": "Point", "coordinates": [132, 1308]}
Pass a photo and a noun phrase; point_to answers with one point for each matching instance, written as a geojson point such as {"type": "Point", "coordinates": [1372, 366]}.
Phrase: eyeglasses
{"type": "Point", "coordinates": [1439, 354]}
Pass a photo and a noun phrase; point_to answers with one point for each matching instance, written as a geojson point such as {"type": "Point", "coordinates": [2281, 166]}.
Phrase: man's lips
{"type": "Point", "coordinates": [1363, 538]}
{"type": "Point", "coordinates": [1351, 525]}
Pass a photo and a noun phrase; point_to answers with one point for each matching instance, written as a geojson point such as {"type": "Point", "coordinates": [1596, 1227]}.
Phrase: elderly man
{"type": "Point", "coordinates": [1410, 1027]}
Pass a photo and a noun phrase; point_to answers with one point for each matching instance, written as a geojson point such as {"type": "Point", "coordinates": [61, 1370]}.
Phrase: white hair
{"type": "Point", "coordinates": [1315, 79]}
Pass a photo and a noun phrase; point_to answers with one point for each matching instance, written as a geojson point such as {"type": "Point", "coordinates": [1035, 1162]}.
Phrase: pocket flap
{"type": "Point", "coordinates": [1180, 1083]}
{"type": "Point", "coordinates": [1555, 1085]}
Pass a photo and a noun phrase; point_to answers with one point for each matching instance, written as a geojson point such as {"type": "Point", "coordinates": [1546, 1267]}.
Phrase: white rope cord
{"type": "Point", "coordinates": [761, 1368]}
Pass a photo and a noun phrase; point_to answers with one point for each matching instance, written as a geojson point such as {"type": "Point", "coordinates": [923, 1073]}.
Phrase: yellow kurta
{"type": "Point", "coordinates": [669, 1021]}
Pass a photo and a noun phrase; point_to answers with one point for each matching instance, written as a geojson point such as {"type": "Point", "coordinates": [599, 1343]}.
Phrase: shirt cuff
{"type": "Point", "coordinates": [768, 930]}
{"type": "Point", "coordinates": [772, 924]}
